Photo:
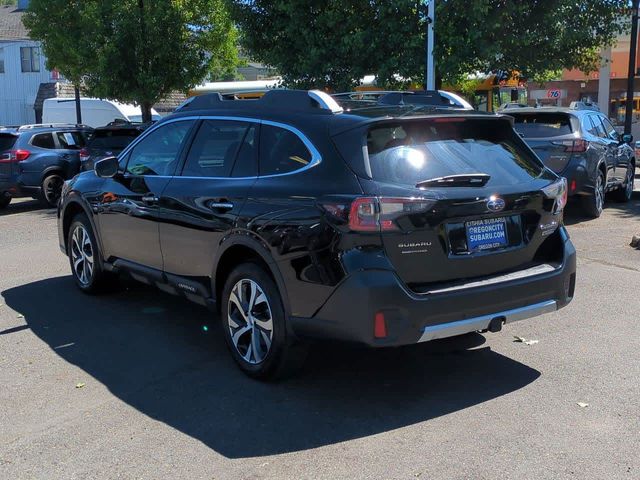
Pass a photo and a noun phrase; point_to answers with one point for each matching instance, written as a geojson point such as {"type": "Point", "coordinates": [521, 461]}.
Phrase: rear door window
{"type": "Point", "coordinates": [71, 140]}
{"type": "Point", "coordinates": [411, 152]}
{"type": "Point", "coordinates": [542, 125]}
{"type": "Point", "coordinates": [597, 128]}
{"type": "Point", "coordinates": [281, 151]}
{"type": "Point", "coordinates": [43, 140]}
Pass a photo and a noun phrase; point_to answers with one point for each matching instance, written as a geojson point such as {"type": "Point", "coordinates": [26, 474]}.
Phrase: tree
{"type": "Point", "coordinates": [335, 43]}
{"type": "Point", "coordinates": [135, 51]}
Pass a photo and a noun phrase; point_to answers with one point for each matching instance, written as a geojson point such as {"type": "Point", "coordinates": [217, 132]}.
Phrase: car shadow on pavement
{"type": "Point", "coordinates": [153, 352]}
{"type": "Point", "coordinates": [26, 206]}
{"type": "Point", "coordinates": [574, 215]}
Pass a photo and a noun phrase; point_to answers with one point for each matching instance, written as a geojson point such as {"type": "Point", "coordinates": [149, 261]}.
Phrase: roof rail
{"type": "Point", "coordinates": [432, 98]}
{"type": "Point", "coordinates": [584, 106]}
{"type": "Point", "coordinates": [277, 99]}
{"type": "Point", "coordinates": [51, 125]}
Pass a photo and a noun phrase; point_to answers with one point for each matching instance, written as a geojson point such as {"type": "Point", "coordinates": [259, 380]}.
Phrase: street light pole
{"type": "Point", "coordinates": [632, 67]}
{"type": "Point", "coordinates": [430, 74]}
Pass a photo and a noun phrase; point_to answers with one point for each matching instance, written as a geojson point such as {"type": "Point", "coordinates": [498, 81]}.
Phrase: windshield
{"type": "Point", "coordinates": [541, 125]}
{"type": "Point", "coordinates": [411, 152]}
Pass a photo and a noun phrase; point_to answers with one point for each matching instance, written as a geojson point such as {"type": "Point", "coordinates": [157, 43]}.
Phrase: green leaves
{"type": "Point", "coordinates": [134, 50]}
{"type": "Point", "coordinates": [335, 43]}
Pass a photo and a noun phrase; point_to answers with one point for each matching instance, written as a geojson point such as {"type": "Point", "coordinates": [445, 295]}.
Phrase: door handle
{"type": "Point", "coordinates": [221, 206]}
{"type": "Point", "coordinates": [150, 199]}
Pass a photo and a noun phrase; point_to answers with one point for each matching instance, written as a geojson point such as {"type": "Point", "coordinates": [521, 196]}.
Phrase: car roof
{"type": "Point", "coordinates": [567, 110]}
{"type": "Point", "coordinates": [295, 108]}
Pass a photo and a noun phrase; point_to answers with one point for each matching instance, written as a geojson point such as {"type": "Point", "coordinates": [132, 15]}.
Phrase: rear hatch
{"type": "Point", "coordinates": [552, 135]}
{"type": "Point", "coordinates": [456, 198]}
{"type": "Point", "coordinates": [106, 143]}
{"type": "Point", "coordinates": [7, 163]}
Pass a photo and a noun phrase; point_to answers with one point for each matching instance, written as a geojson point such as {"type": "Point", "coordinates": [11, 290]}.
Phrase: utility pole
{"type": "Point", "coordinates": [76, 91]}
{"type": "Point", "coordinates": [632, 67]}
{"type": "Point", "coordinates": [430, 73]}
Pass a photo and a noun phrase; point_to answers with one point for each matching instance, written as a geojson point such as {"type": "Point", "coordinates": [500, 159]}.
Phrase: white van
{"type": "Point", "coordinates": [95, 112]}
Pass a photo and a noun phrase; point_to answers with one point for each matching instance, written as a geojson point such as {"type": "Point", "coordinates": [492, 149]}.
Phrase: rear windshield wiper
{"type": "Point", "coordinates": [461, 180]}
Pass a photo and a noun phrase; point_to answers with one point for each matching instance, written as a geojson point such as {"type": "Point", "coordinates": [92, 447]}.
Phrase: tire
{"type": "Point", "coordinates": [4, 201]}
{"type": "Point", "coordinates": [593, 205]}
{"type": "Point", "coordinates": [51, 189]}
{"type": "Point", "coordinates": [624, 193]}
{"type": "Point", "coordinates": [85, 257]}
{"type": "Point", "coordinates": [255, 326]}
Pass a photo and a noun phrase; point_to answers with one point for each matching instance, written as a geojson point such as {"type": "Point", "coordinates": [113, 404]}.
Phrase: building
{"type": "Point", "coordinates": [22, 67]}
{"type": "Point", "coordinates": [575, 85]}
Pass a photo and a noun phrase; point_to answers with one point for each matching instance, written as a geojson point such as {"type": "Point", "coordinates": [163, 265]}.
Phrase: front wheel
{"type": "Point", "coordinates": [254, 325]}
{"type": "Point", "coordinates": [624, 193]}
{"type": "Point", "coordinates": [594, 204]}
{"type": "Point", "coordinates": [51, 189]}
{"type": "Point", "coordinates": [85, 258]}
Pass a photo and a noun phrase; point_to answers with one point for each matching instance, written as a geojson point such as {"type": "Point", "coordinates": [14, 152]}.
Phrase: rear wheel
{"type": "Point", "coordinates": [255, 327]}
{"type": "Point", "coordinates": [51, 189]}
{"type": "Point", "coordinates": [624, 193]}
{"type": "Point", "coordinates": [594, 204]}
{"type": "Point", "coordinates": [5, 200]}
{"type": "Point", "coordinates": [85, 257]}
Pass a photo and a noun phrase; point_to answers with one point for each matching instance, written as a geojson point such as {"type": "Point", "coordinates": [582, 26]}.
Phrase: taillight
{"type": "Point", "coordinates": [379, 214]}
{"type": "Point", "coordinates": [573, 146]}
{"type": "Point", "coordinates": [557, 191]}
{"type": "Point", "coordinates": [84, 155]}
{"type": "Point", "coordinates": [16, 156]}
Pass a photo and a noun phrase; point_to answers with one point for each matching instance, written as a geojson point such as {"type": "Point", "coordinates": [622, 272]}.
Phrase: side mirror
{"type": "Point", "coordinates": [107, 167]}
{"type": "Point", "coordinates": [627, 138]}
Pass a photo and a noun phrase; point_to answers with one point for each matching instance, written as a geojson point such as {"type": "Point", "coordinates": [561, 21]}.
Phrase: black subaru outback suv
{"type": "Point", "coordinates": [383, 226]}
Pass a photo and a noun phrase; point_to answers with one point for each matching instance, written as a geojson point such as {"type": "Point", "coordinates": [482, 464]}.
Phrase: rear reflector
{"type": "Point", "coordinates": [379, 326]}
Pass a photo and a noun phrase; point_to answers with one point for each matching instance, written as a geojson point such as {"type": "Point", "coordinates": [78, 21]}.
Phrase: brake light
{"type": "Point", "coordinates": [16, 156]}
{"type": "Point", "coordinates": [573, 146]}
{"type": "Point", "coordinates": [558, 192]}
{"type": "Point", "coordinates": [379, 214]}
{"type": "Point", "coordinates": [84, 155]}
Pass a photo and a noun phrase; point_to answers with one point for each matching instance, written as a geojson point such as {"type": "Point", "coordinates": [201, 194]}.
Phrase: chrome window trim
{"type": "Point", "coordinates": [316, 158]}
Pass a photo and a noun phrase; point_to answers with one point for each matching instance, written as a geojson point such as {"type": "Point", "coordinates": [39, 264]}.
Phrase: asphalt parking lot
{"type": "Point", "coordinates": [138, 384]}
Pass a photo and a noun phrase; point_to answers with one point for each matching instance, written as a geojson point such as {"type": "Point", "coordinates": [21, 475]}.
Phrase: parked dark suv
{"type": "Point", "coordinates": [582, 145]}
{"type": "Point", "coordinates": [109, 141]}
{"type": "Point", "coordinates": [383, 226]}
{"type": "Point", "coordinates": [35, 160]}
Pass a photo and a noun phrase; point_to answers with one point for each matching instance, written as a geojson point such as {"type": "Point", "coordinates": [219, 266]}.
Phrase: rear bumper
{"type": "Point", "coordinates": [349, 313]}
{"type": "Point", "coordinates": [578, 178]}
{"type": "Point", "coordinates": [16, 189]}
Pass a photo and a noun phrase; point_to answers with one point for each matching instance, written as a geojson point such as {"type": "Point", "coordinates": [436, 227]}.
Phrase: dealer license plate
{"type": "Point", "coordinates": [486, 234]}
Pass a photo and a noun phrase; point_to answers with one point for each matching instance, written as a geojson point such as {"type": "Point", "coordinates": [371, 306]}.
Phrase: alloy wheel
{"type": "Point", "coordinates": [52, 188]}
{"type": "Point", "coordinates": [250, 321]}
{"type": "Point", "coordinates": [631, 175]}
{"type": "Point", "coordinates": [82, 255]}
{"type": "Point", "coordinates": [599, 193]}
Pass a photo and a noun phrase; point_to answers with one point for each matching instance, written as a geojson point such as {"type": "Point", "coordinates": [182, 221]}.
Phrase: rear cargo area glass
{"type": "Point", "coordinates": [7, 142]}
{"type": "Point", "coordinates": [411, 152]}
{"type": "Point", "coordinates": [542, 125]}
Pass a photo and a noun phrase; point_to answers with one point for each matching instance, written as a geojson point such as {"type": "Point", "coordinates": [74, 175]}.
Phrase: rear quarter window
{"type": "Point", "coordinates": [542, 125]}
{"type": "Point", "coordinates": [7, 142]}
{"type": "Point", "coordinates": [281, 151]}
{"type": "Point", "coordinates": [411, 152]}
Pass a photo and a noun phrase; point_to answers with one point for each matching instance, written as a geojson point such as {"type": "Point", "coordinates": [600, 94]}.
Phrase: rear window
{"type": "Point", "coordinates": [410, 152]}
{"type": "Point", "coordinates": [112, 139]}
{"type": "Point", "coordinates": [542, 125]}
{"type": "Point", "coordinates": [7, 142]}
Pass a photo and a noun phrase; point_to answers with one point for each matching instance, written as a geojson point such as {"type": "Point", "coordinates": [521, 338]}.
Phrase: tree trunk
{"type": "Point", "coordinates": [145, 107]}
